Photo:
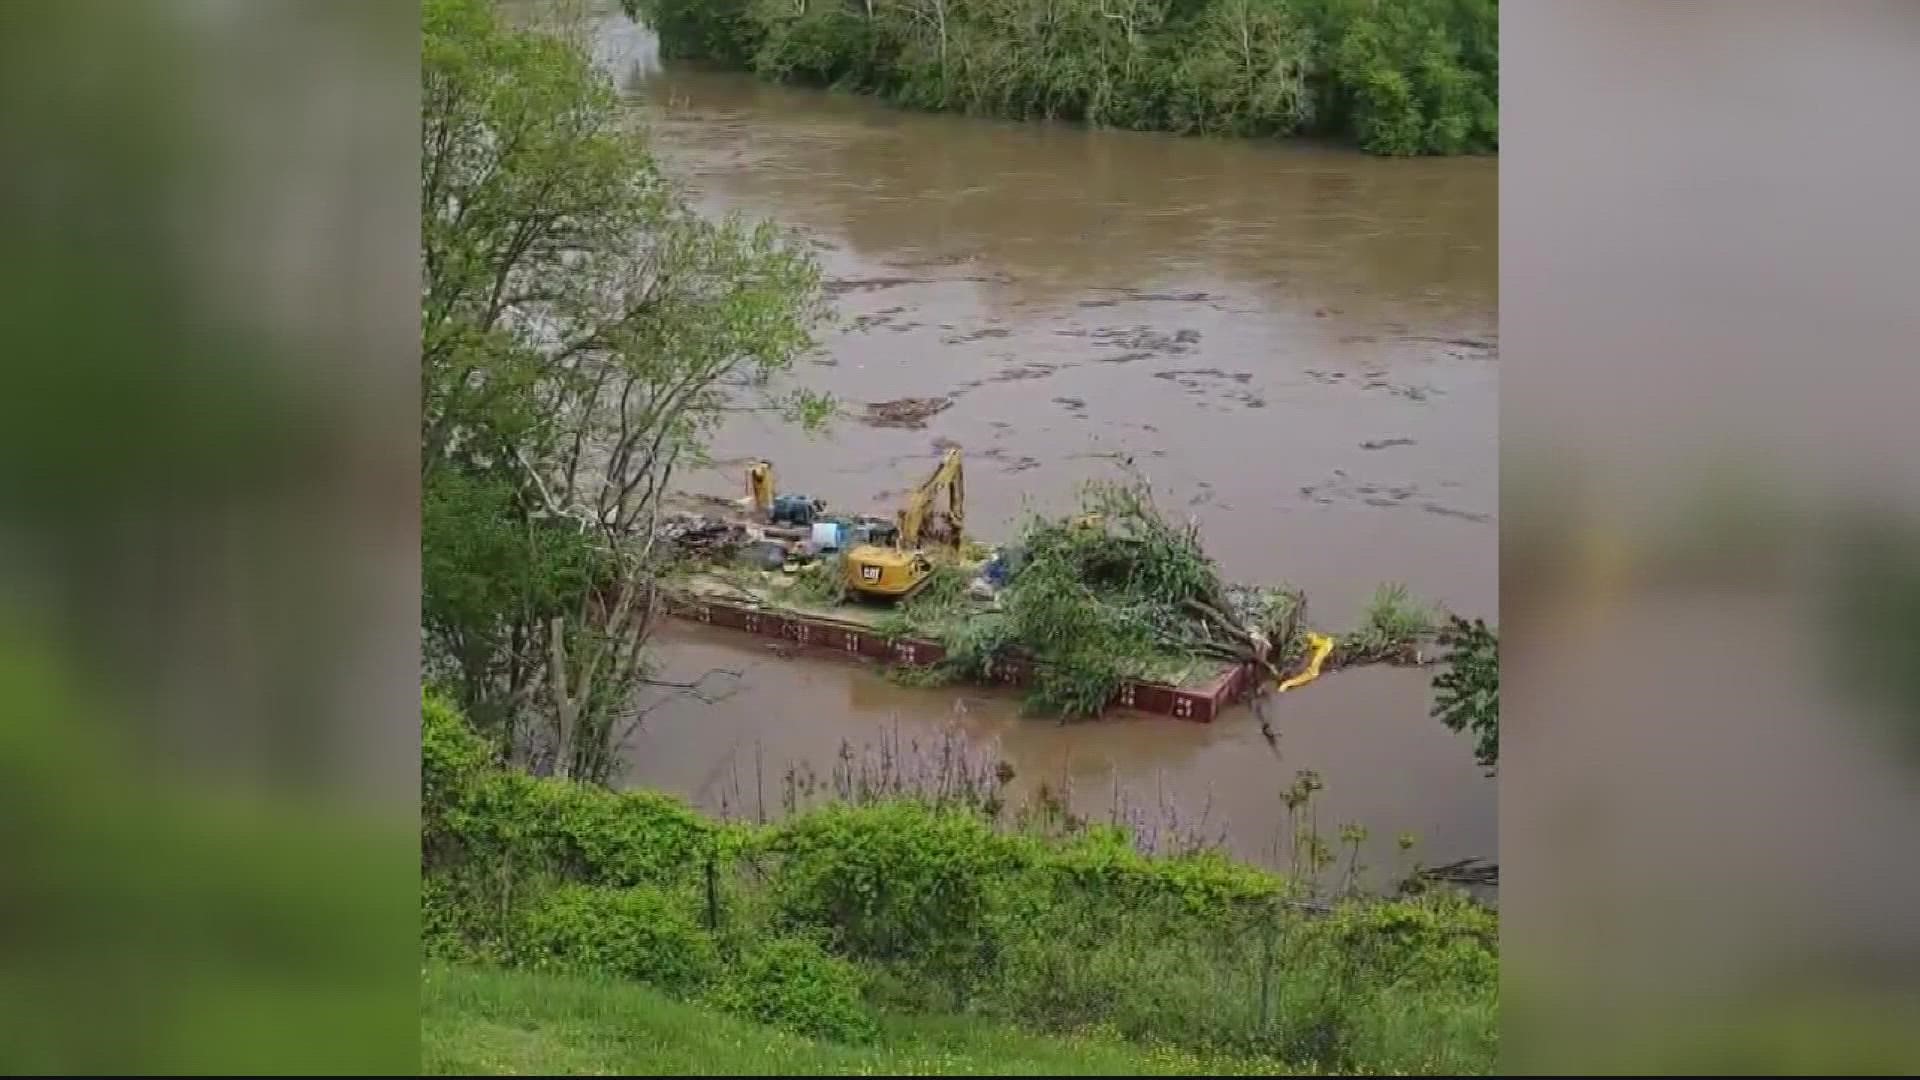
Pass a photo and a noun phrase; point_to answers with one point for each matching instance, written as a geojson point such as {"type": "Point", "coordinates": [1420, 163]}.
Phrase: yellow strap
{"type": "Point", "coordinates": [1322, 645]}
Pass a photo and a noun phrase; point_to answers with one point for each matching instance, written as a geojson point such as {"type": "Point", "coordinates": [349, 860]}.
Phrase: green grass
{"type": "Point", "coordinates": [478, 1021]}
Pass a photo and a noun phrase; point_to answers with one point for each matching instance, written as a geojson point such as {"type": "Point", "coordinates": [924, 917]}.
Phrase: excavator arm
{"type": "Point", "coordinates": [946, 476]}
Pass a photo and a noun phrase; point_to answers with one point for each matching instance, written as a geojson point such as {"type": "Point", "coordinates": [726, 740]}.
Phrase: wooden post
{"type": "Point", "coordinates": [713, 895]}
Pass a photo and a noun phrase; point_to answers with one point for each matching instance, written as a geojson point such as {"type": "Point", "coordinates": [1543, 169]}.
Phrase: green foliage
{"type": "Point", "coordinates": [1415, 76]}
{"type": "Point", "coordinates": [1117, 592]}
{"type": "Point", "coordinates": [474, 813]}
{"type": "Point", "coordinates": [938, 609]}
{"type": "Point", "coordinates": [890, 881]}
{"type": "Point", "coordinates": [1466, 696]}
{"type": "Point", "coordinates": [792, 983]}
{"type": "Point", "coordinates": [488, 573]}
{"type": "Point", "coordinates": [976, 642]}
{"type": "Point", "coordinates": [1440, 941]}
{"type": "Point", "coordinates": [1390, 629]}
{"type": "Point", "coordinates": [1397, 76]}
{"type": "Point", "coordinates": [476, 1021]}
{"type": "Point", "coordinates": [636, 933]}
{"type": "Point", "coordinates": [583, 333]}
{"type": "Point", "coordinates": [711, 29]}
{"type": "Point", "coordinates": [918, 899]}
{"type": "Point", "coordinates": [823, 583]}
{"type": "Point", "coordinates": [447, 925]}
{"type": "Point", "coordinates": [453, 759]}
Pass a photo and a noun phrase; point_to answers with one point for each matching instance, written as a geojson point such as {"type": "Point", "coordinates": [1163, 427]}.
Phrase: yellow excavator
{"type": "Point", "coordinates": [891, 571]}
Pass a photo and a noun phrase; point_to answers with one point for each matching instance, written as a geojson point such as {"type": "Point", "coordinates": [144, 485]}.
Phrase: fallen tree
{"type": "Point", "coordinates": [1120, 591]}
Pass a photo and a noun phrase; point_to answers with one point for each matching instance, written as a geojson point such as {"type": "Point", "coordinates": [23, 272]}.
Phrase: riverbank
{"type": "Point", "coordinates": [914, 888]}
{"type": "Point", "coordinates": [1397, 77]}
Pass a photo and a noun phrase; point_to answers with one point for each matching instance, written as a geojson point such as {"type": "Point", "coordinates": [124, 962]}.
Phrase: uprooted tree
{"type": "Point", "coordinates": [582, 333]}
{"type": "Point", "coordinates": [1108, 594]}
{"type": "Point", "coordinates": [1119, 591]}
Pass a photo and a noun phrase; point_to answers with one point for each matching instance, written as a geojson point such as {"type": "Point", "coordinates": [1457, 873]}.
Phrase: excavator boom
{"type": "Point", "coordinates": [760, 486]}
{"type": "Point", "coordinates": [946, 476]}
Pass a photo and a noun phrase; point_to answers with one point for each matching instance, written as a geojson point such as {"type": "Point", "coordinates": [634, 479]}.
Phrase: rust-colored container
{"type": "Point", "coordinates": [826, 635]}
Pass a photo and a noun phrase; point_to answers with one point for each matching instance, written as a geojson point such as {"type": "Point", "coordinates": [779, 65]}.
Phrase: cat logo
{"type": "Point", "coordinates": [869, 573]}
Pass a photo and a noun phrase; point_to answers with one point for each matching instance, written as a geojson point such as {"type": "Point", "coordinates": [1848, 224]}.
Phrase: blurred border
{"type": "Point", "coordinates": [1710, 565]}
{"type": "Point", "coordinates": [209, 535]}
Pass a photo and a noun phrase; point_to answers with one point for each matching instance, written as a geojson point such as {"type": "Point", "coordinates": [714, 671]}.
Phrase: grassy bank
{"type": "Point", "coordinates": [926, 898]}
{"type": "Point", "coordinates": [476, 1021]}
{"type": "Point", "coordinates": [1393, 76]}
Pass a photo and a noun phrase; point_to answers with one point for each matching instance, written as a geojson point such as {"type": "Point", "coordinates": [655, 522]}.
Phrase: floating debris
{"type": "Point", "coordinates": [909, 412]}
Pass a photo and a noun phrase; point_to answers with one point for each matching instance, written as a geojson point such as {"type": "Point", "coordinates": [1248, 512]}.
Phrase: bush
{"type": "Point", "coordinates": [450, 927]}
{"type": "Point", "coordinates": [471, 812]}
{"type": "Point", "coordinates": [938, 909]}
{"type": "Point", "coordinates": [632, 933]}
{"type": "Point", "coordinates": [892, 881]}
{"type": "Point", "coordinates": [791, 982]}
{"type": "Point", "coordinates": [453, 758]}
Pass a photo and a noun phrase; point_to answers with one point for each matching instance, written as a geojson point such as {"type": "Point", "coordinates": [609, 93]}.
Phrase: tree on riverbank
{"type": "Point", "coordinates": [1467, 693]}
{"type": "Point", "coordinates": [1395, 76]}
{"type": "Point", "coordinates": [582, 332]}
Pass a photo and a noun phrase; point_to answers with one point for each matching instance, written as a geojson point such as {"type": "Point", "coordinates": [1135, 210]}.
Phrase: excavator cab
{"type": "Point", "coordinates": [897, 569]}
{"type": "Point", "coordinates": [887, 573]}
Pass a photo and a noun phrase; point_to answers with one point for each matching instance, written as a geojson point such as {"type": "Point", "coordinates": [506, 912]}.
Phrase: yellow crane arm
{"type": "Point", "coordinates": [946, 475]}
{"type": "Point", "coordinates": [760, 485]}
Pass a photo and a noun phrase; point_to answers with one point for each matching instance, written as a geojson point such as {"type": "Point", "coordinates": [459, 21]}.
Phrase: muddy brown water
{"type": "Point", "coordinates": [1297, 344]}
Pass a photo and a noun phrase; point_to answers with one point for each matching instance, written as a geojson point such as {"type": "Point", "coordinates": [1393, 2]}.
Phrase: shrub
{"type": "Point", "coordinates": [1393, 624]}
{"type": "Point", "coordinates": [449, 925]}
{"type": "Point", "coordinates": [452, 756]}
{"type": "Point", "coordinates": [791, 982]}
{"type": "Point", "coordinates": [570, 831]}
{"type": "Point", "coordinates": [632, 933]}
{"type": "Point", "coordinates": [892, 881]}
{"type": "Point", "coordinates": [1434, 941]}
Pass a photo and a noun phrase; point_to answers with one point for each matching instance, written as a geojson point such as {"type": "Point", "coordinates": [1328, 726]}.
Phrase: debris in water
{"type": "Point", "coordinates": [1145, 339]}
{"type": "Point", "coordinates": [907, 412]}
{"type": "Point", "coordinates": [983, 332]}
{"type": "Point", "coordinates": [842, 286]}
{"type": "Point", "coordinates": [1448, 511]}
{"type": "Point", "coordinates": [1382, 444]}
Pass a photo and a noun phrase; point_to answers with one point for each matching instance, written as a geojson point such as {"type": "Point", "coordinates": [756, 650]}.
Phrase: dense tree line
{"type": "Point", "coordinates": [1395, 76]}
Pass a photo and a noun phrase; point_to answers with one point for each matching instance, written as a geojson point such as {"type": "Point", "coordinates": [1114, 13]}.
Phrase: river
{"type": "Point", "coordinates": [1297, 344]}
